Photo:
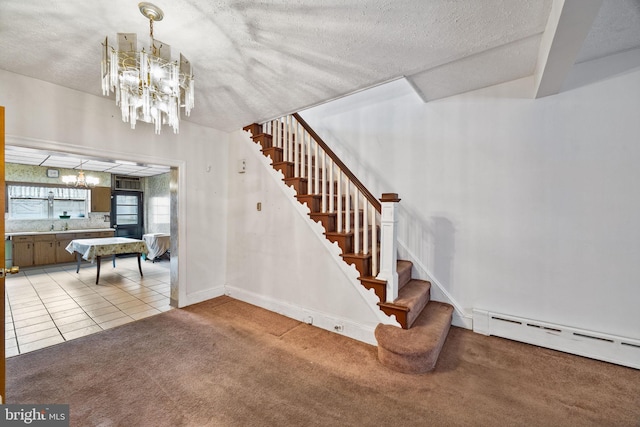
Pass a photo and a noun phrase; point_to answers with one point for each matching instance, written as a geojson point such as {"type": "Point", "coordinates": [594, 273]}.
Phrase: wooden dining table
{"type": "Point", "coordinates": [93, 250]}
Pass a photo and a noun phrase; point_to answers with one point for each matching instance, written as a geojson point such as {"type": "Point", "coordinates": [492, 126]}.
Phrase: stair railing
{"type": "Point", "coordinates": [338, 189]}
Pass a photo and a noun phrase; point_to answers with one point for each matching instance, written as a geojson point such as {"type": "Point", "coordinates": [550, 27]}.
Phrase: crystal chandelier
{"type": "Point", "coordinates": [148, 85]}
{"type": "Point", "coordinates": [81, 180]}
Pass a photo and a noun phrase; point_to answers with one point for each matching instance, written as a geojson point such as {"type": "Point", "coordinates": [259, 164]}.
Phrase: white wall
{"type": "Point", "coordinates": [46, 116]}
{"type": "Point", "coordinates": [514, 205]}
{"type": "Point", "coordinates": [278, 258]}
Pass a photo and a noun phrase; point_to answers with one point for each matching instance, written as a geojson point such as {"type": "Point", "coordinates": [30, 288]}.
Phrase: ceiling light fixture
{"type": "Point", "coordinates": [81, 180]}
{"type": "Point", "coordinates": [148, 85]}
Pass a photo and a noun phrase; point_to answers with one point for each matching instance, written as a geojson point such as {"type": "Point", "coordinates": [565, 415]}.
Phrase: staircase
{"type": "Point", "coordinates": [351, 217]}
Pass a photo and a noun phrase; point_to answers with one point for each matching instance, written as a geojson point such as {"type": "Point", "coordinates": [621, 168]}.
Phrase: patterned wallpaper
{"type": "Point", "coordinates": [157, 204]}
{"type": "Point", "coordinates": [38, 174]}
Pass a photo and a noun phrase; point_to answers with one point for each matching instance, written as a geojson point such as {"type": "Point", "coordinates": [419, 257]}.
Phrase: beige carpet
{"type": "Point", "coordinates": [227, 363]}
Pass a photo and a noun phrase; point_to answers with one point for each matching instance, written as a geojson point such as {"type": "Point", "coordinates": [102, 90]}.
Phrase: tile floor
{"type": "Point", "coordinates": [50, 305]}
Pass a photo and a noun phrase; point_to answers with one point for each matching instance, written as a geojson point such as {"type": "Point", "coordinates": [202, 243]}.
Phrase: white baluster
{"type": "Point", "coordinates": [303, 157]}
{"type": "Point", "coordinates": [374, 243]}
{"type": "Point", "coordinates": [324, 182]}
{"type": "Point", "coordinates": [316, 188]}
{"type": "Point", "coordinates": [296, 148]}
{"type": "Point", "coordinates": [289, 139]}
{"type": "Point", "coordinates": [356, 221]}
{"type": "Point", "coordinates": [339, 195]}
{"type": "Point", "coordinates": [331, 185]}
{"type": "Point", "coordinates": [285, 145]}
{"type": "Point", "coordinates": [365, 227]}
{"type": "Point", "coordinates": [309, 162]}
{"type": "Point", "coordinates": [347, 206]}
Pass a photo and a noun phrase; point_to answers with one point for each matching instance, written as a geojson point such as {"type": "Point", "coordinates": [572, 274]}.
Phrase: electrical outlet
{"type": "Point", "coordinates": [339, 328]}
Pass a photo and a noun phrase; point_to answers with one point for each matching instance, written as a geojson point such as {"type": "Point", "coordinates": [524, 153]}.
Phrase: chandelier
{"type": "Point", "coordinates": [81, 180]}
{"type": "Point", "coordinates": [148, 85]}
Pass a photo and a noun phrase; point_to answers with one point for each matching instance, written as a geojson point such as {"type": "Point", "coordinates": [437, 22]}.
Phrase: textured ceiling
{"type": "Point", "coordinates": [256, 60]}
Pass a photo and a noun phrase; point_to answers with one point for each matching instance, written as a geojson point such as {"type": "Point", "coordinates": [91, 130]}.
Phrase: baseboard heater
{"type": "Point", "coordinates": [595, 345]}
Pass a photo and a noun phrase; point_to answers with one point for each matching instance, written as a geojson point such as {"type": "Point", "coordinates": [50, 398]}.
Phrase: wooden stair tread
{"type": "Point", "coordinates": [415, 350]}
{"type": "Point", "coordinates": [338, 233]}
{"type": "Point", "coordinates": [378, 286]}
{"type": "Point", "coordinates": [359, 255]}
{"type": "Point", "coordinates": [323, 214]}
{"type": "Point", "coordinates": [372, 279]}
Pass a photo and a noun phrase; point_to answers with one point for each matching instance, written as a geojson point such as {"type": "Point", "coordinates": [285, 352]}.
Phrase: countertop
{"type": "Point", "coordinates": [37, 233]}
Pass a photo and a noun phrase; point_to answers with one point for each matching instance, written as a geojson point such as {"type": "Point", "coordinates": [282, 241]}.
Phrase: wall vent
{"type": "Point", "coordinates": [596, 345]}
{"type": "Point", "coordinates": [129, 183]}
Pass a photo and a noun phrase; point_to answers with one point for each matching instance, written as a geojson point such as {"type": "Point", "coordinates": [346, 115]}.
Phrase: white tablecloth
{"type": "Point", "coordinates": [92, 248]}
{"type": "Point", "coordinates": [158, 244]}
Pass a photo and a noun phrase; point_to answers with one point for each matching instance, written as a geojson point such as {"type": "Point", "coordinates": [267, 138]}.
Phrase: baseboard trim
{"type": "Point", "coordinates": [595, 345]}
{"type": "Point", "coordinates": [201, 296]}
{"type": "Point", "coordinates": [346, 327]}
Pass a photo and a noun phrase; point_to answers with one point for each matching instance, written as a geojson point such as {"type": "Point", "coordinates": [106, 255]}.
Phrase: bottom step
{"type": "Point", "coordinates": [415, 350]}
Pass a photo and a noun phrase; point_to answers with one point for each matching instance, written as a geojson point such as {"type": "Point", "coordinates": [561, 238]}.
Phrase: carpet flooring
{"type": "Point", "coordinates": [227, 363]}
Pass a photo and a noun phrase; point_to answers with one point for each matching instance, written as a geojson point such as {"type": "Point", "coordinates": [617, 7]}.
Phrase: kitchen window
{"type": "Point", "coordinates": [47, 202]}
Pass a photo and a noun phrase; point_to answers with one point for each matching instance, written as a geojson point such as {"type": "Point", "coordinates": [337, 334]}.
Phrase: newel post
{"type": "Point", "coordinates": [389, 244]}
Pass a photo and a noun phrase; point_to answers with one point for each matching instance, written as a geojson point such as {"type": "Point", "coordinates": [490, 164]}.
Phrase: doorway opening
{"type": "Point", "coordinates": [51, 303]}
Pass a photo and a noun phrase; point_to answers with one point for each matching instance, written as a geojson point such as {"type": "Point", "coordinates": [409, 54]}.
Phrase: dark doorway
{"type": "Point", "coordinates": [126, 214]}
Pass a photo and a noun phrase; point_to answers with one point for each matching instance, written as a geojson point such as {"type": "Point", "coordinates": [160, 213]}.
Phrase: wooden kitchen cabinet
{"type": "Point", "coordinates": [44, 251]}
{"type": "Point", "coordinates": [62, 240]}
{"type": "Point", "coordinates": [48, 248]}
{"type": "Point", "coordinates": [22, 247]}
{"type": "Point", "coordinates": [101, 199]}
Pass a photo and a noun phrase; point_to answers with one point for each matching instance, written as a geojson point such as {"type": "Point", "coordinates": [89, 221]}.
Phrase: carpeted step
{"type": "Point", "coordinates": [404, 272]}
{"type": "Point", "coordinates": [415, 350]}
{"type": "Point", "coordinates": [412, 298]}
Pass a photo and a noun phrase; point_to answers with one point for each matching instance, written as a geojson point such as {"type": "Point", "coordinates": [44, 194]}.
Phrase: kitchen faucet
{"type": "Point", "coordinates": [51, 229]}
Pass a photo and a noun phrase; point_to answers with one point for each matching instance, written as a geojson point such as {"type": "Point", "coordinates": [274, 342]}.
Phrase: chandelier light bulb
{"type": "Point", "coordinates": [81, 180]}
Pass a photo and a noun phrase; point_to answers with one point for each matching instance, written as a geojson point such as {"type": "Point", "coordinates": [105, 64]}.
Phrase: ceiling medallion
{"type": "Point", "coordinates": [148, 85]}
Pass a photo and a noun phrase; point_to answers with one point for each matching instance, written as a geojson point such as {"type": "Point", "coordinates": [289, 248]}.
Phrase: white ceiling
{"type": "Point", "coordinates": [255, 60]}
